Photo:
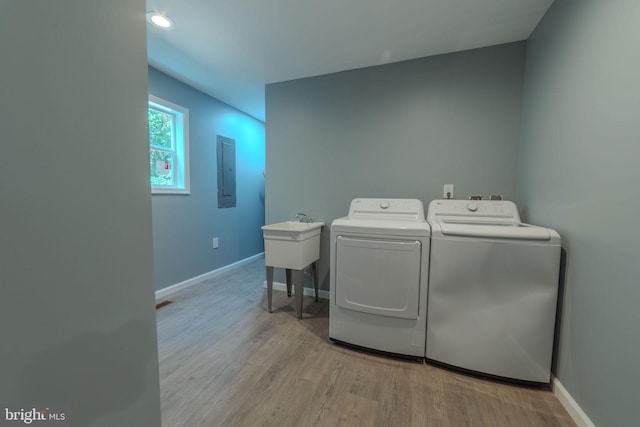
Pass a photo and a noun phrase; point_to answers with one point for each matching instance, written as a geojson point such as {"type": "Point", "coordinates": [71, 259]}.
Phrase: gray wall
{"type": "Point", "coordinates": [77, 316]}
{"type": "Point", "coordinates": [399, 130]}
{"type": "Point", "coordinates": [579, 174]}
{"type": "Point", "coordinates": [184, 225]}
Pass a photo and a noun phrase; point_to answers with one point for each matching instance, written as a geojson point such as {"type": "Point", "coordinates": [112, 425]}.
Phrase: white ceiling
{"type": "Point", "coordinates": [231, 49]}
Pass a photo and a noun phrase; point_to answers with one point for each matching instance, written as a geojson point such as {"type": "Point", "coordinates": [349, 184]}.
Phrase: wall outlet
{"type": "Point", "coordinates": [447, 193]}
{"type": "Point", "coordinates": [215, 243]}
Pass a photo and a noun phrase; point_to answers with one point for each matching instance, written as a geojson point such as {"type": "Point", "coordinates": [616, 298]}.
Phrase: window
{"type": "Point", "coordinates": [168, 147]}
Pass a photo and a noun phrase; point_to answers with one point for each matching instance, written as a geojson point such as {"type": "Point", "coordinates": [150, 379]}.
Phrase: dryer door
{"type": "Point", "coordinates": [378, 276]}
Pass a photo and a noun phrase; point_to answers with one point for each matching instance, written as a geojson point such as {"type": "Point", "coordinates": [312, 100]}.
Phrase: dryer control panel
{"type": "Point", "coordinates": [394, 209]}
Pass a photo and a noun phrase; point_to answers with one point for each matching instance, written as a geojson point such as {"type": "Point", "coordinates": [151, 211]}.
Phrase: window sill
{"type": "Point", "coordinates": [165, 191]}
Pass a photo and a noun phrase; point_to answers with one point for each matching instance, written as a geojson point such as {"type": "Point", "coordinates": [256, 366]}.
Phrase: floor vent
{"type": "Point", "coordinates": [163, 303]}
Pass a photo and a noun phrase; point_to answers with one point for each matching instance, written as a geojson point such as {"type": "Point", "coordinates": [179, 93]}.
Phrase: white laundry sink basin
{"type": "Point", "coordinates": [292, 244]}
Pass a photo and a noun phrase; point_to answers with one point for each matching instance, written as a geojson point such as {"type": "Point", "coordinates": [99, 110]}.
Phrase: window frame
{"type": "Point", "coordinates": [180, 149]}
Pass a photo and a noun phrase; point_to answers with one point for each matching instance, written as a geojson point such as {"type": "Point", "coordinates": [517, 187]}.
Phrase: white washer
{"type": "Point", "coordinates": [379, 272]}
{"type": "Point", "coordinates": [493, 287]}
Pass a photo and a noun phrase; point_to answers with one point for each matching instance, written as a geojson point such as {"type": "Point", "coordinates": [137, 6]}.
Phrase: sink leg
{"type": "Point", "coordinates": [314, 270]}
{"type": "Point", "coordinates": [269, 286]}
{"type": "Point", "coordinates": [288, 273]}
{"type": "Point", "coordinates": [298, 283]}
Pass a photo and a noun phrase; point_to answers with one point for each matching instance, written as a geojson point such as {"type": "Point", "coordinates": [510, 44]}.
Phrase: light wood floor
{"type": "Point", "coordinates": [226, 361]}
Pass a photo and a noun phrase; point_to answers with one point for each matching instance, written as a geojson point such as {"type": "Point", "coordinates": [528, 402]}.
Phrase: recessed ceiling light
{"type": "Point", "coordinates": [160, 20]}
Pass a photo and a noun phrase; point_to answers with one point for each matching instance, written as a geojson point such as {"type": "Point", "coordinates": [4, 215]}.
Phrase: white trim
{"type": "Point", "coordinates": [572, 407]}
{"type": "Point", "coordinates": [169, 290]}
{"type": "Point", "coordinates": [279, 286]}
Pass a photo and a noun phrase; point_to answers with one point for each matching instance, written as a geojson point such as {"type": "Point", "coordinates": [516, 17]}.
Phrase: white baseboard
{"type": "Point", "coordinates": [572, 407]}
{"type": "Point", "coordinates": [163, 293]}
{"type": "Point", "coordinates": [279, 286]}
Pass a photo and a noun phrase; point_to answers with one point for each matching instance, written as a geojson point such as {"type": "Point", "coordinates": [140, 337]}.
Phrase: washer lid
{"type": "Point", "coordinates": [488, 219]}
{"type": "Point", "coordinates": [496, 231]}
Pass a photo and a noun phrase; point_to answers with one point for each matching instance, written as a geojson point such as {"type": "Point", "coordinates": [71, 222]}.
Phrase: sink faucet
{"type": "Point", "coordinates": [303, 217]}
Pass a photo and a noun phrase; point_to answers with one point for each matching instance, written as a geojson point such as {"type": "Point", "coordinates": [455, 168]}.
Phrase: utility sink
{"type": "Point", "coordinates": [292, 244]}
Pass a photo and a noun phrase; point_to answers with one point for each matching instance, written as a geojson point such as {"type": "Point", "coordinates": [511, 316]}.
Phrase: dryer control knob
{"type": "Point", "coordinates": [472, 207]}
{"type": "Point", "coordinates": [384, 205]}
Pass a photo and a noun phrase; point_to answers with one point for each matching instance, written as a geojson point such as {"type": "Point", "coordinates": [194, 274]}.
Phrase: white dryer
{"type": "Point", "coordinates": [493, 287]}
{"type": "Point", "coordinates": [379, 272]}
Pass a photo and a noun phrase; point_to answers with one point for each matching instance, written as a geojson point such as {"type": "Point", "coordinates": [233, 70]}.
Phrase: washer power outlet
{"type": "Point", "coordinates": [447, 193]}
{"type": "Point", "coordinates": [215, 243]}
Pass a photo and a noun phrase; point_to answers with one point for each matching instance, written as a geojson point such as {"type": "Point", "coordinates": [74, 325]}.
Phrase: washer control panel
{"type": "Point", "coordinates": [474, 208]}
{"type": "Point", "coordinates": [398, 209]}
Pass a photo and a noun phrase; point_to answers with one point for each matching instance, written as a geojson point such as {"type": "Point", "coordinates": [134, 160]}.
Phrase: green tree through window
{"type": "Point", "coordinates": [168, 147]}
{"type": "Point", "coordinates": [161, 142]}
